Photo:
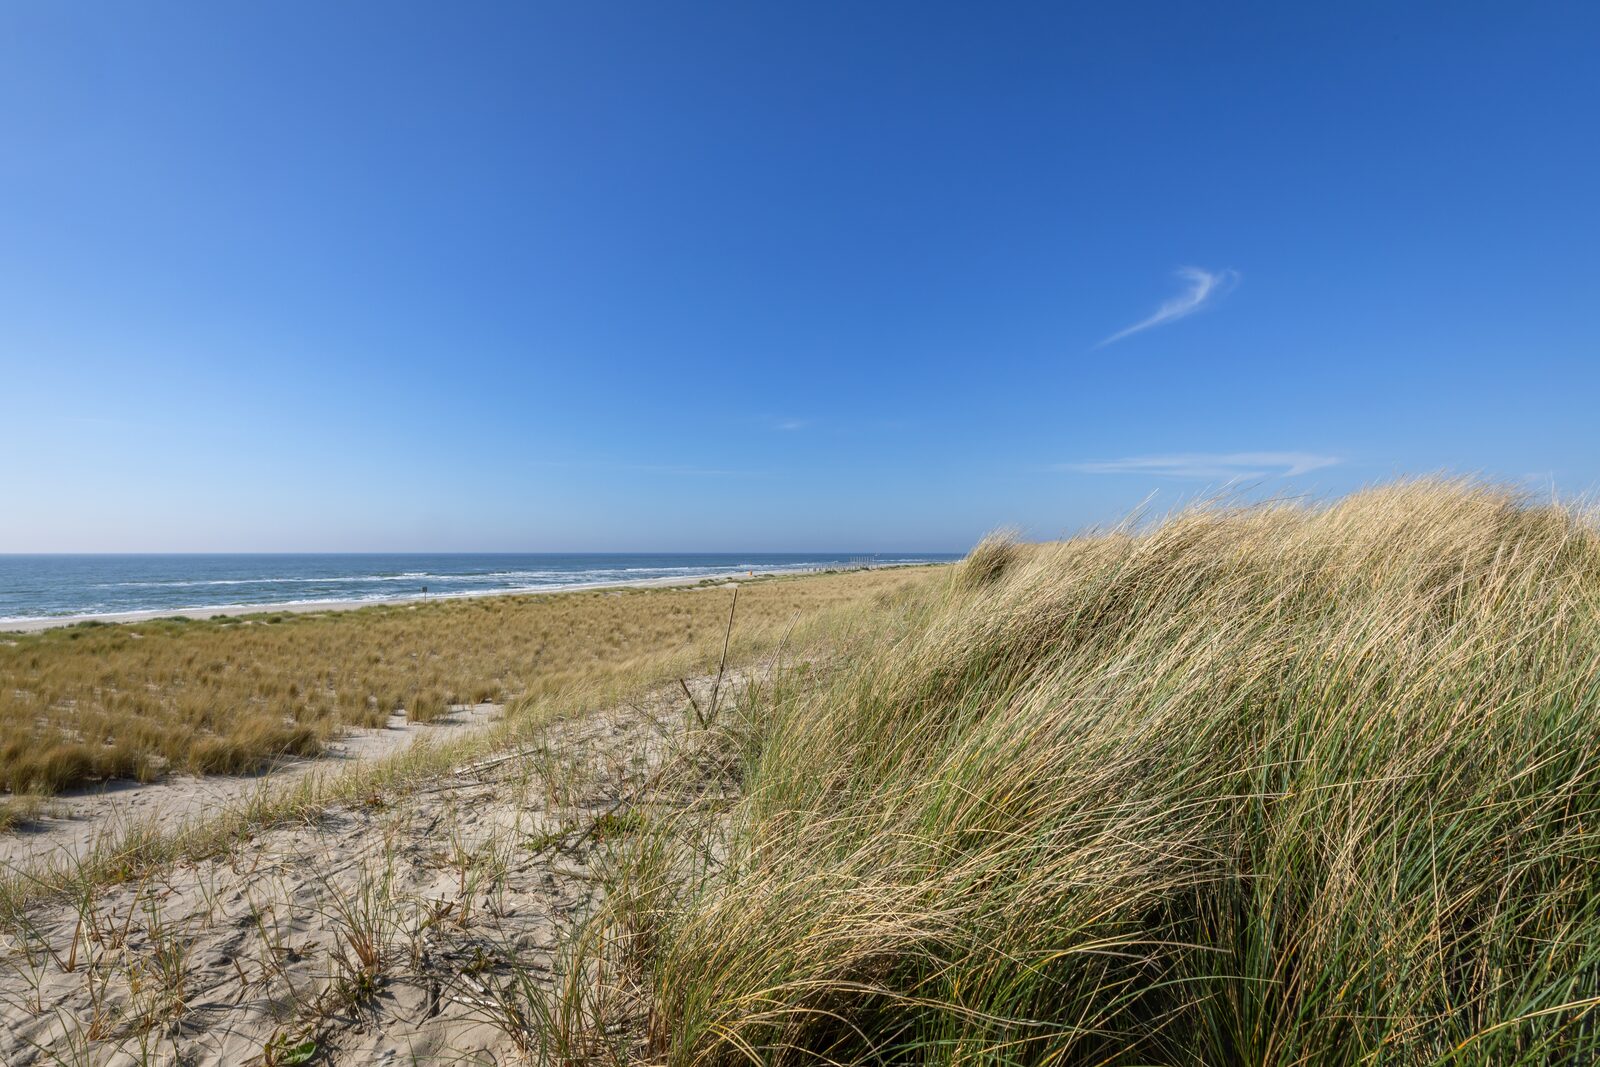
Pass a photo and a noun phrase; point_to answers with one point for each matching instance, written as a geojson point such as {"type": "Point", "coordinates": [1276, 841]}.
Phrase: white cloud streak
{"type": "Point", "coordinates": [1211, 466]}
{"type": "Point", "coordinates": [1204, 286]}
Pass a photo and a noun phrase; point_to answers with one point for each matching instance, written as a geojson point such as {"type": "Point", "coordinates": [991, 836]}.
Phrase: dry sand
{"type": "Point", "coordinates": [418, 927]}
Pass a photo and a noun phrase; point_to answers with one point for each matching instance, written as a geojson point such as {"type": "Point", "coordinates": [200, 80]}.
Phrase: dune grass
{"type": "Point", "coordinates": [227, 695]}
{"type": "Point", "coordinates": [1280, 785]}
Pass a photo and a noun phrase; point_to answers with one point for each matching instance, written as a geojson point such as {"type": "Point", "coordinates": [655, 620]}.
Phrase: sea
{"type": "Point", "coordinates": [54, 586]}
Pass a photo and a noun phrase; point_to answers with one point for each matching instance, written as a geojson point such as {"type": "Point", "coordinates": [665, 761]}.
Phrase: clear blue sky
{"type": "Point", "coordinates": [609, 276]}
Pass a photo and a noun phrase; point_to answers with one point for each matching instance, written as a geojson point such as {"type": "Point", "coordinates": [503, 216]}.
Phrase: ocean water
{"type": "Point", "coordinates": [33, 587]}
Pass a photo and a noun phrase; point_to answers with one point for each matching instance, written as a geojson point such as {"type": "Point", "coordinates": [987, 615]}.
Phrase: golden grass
{"type": "Point", "coordinates": [1283, 785]}
{"type": "Point", "coordinates": [228, 695]}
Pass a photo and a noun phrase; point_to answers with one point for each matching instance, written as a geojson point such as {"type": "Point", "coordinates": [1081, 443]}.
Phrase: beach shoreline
{"type": "Point", "coordinates": [52, 622]}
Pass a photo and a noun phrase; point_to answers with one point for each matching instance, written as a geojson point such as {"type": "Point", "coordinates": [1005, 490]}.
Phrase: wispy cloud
{"type": "Point", "coordinates": [790, 424]}
{"type": "Point", "coordinates": [1231, 466]}
{"type": "Point", "coordinates": [1204, 286]}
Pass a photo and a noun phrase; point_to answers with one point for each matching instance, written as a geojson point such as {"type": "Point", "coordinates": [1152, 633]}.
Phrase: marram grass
{"type": "Point", "coordinates": [1281, 785]}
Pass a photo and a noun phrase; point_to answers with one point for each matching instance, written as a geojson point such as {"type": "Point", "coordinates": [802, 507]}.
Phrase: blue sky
{"type": "Point", "coordinates": [308, 276]}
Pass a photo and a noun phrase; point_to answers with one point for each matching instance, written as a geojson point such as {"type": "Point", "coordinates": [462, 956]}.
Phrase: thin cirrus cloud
{"type": "Point", "coordinates": [1232, 466]}
{"type": "Point", "coordinates": [1204, 287]}
{"type": "Point", "coordinates": [782, 423]}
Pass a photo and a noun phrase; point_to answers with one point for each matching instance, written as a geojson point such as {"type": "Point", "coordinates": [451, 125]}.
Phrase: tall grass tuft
{"type": "Point", "coordinates": [1285, 784]}
{"type": "Point", "coordinates": [991, 558]}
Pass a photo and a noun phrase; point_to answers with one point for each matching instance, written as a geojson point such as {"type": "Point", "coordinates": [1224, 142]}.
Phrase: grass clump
{"type": "Point", "coordinates": [20, 810]}
{"type": "Point", "coordinates": [990, 559]}
{"type": "Point", "coordinates": [1285, 784]}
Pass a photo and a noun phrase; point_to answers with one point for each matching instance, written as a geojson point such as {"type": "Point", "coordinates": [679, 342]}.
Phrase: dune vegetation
{"type": "Point", "coordinates": [226, 695]}
{"type": "Point", "coordinates": [1280, 784]}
